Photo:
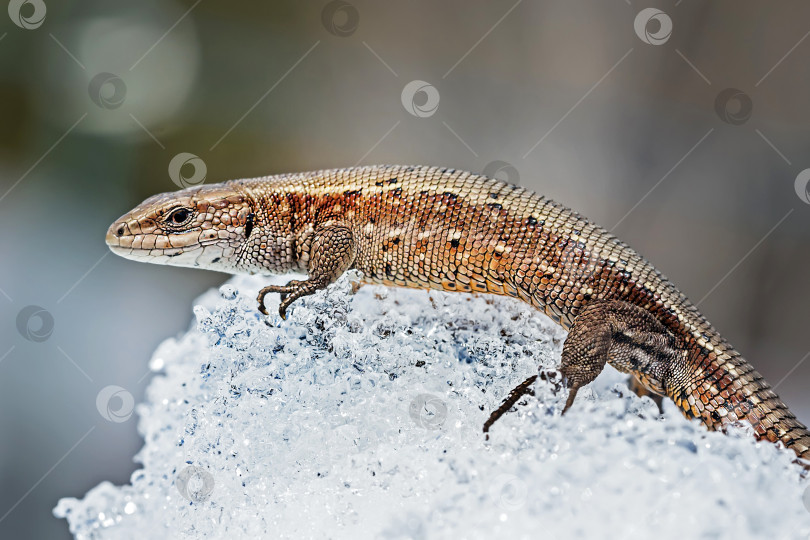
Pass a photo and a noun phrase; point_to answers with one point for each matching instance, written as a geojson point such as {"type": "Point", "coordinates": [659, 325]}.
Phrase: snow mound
{"type": "Point", "coordinates": [360, 416]}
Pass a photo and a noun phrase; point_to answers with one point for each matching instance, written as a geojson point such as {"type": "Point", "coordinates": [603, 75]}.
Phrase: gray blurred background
{"type": "Point", "coordinates": [630, 124]}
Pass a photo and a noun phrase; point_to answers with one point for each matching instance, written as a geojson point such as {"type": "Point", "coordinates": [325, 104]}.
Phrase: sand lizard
{"type": "Point", "coordinates": [437, 228]}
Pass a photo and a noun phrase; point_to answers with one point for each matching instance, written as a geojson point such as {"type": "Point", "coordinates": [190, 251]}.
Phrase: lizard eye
{"type": "Point", "coordinates": [178, 216]}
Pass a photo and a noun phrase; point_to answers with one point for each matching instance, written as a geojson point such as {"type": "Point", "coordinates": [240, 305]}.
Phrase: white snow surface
{"type": "Point", "coordinates": [360, 417]}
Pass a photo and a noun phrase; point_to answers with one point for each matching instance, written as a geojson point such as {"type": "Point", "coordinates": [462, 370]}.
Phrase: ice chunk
{"type": "Point", "coordinates": [360, 416]}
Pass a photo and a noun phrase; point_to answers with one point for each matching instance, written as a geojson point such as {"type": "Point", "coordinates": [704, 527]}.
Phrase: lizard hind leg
{"type": "Point", "coordinates": [630, 338]}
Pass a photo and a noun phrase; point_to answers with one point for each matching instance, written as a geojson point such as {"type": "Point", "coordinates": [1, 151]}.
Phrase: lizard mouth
{"type": "Point", "coordinates": [206, 253]}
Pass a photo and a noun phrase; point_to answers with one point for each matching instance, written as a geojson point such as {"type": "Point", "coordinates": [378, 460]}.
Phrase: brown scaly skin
{"type": "Point", "coordinates": [428, 227]}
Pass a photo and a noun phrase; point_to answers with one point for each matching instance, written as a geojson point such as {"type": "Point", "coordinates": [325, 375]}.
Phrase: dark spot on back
{"type": "Point", "coordinates": [249, 224]}
{"type": "Point", "coordinates": [493, 195]}
{"type": "Point", "coordinates": [531, 220]}
{"type": "Point", "coordinates": [352, 193]}
{"type": "Point", "coordinates": [388, 269]}
{"type": "Point", "coordinates": [495, 206]}
{"type": "Point", "coordinates": [454, 242]}
{"type": "Point", "coordinates": [393, 181]}
{"type": "Point", "coordinates": [396, 241]}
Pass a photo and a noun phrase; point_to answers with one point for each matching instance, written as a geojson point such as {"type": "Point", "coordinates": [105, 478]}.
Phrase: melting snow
{"type": "Point", "coordinates": [360, 416]}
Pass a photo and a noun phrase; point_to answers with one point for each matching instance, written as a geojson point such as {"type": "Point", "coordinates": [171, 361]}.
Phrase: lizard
{"type": "Point", "coordinates": [440, 228]}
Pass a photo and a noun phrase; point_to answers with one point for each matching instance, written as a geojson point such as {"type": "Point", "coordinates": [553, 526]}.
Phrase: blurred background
{"type": "Point", "coordinates": [681, 126]}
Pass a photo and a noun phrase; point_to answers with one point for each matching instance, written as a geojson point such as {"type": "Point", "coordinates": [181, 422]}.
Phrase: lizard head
{"type": "Point", "coordinates": [200, 227]}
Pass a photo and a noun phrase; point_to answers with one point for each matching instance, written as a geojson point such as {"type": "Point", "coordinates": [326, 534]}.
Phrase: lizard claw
{"type": "Point", "coordinates": [262, 308]}
{"type": "Point", "coordinates": [285, 291]}
{"type": "Point", "coordinates": [260, 298]}
{"type": "Point", "coordinates": [572, 394]}
{"type": "Point", "coordinates": [573, 388]}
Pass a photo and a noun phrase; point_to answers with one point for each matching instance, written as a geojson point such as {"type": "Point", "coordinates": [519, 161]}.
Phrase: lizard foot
{"type": "Point", "coordinates": [331, 253]}
{"type": "Point", "coordinates": [285, 291]}
{"type": "Point", "coordinates": [525, 388]}
{"type": "Point", "coordinates": [518, 392]}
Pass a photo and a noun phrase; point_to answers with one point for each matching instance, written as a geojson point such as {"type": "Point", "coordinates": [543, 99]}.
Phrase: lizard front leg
{"type": "Point", "coordinates": [331, 253]}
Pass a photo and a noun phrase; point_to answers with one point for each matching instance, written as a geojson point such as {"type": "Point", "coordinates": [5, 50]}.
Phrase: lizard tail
{"type": "Point", "coordinates": [722, 388]}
